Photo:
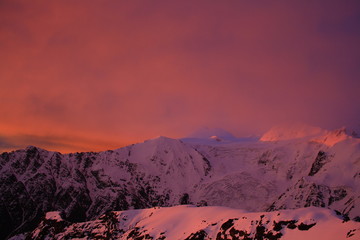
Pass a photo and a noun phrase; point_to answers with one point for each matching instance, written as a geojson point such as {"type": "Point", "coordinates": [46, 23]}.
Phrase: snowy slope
{"type": "Point", "coordinates": [189, 222]}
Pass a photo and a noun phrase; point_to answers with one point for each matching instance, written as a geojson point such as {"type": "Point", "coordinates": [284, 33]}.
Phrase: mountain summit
{"type": "Point", "coordinates": [207, 133]}
{"type": "Point", "coordinates": [291, 131]}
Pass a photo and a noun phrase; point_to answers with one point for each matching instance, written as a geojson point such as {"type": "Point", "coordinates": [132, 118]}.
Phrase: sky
{"type": "Point", "coordinates": [97, 75]}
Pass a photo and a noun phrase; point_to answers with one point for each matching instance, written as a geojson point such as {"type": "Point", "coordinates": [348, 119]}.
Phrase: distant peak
{"type": "Point", "coordinates": [161, 138]}
{"type": "Point", "coordinates": [291, 131]}
{"type": "Point", "coordinates": [314, 134]}
{"type": "Point", "coordinates": [206, 133]}
{"type": "Point", "coordinates": [216, 138]}
{"type": "Point", "coordinates": [330, 138]}
{"type": "Point", "coordinates": [339, 131]}
{"type": "Point", "coordinates": [31, 148]}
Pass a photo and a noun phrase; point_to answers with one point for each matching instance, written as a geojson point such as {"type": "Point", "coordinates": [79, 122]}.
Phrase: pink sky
{"type": "Point", "coordinates": [96, 75]}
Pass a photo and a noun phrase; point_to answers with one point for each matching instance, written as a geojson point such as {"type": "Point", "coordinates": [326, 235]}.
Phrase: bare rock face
{"type": "Point", "coordinates": [319, 162]}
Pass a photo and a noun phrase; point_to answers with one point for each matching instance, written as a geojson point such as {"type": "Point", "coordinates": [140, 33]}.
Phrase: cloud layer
{"type": "Point", "coordinates": [115, 72]}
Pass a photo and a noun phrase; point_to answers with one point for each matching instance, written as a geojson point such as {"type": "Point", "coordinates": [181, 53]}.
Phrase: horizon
{"type": "Point", "coordinates": [203, 133]}
{"type": "Point", "coordinates": [103, 75]}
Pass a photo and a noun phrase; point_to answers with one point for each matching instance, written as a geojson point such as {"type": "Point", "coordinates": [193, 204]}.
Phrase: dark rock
{"type": "Point", "coordinates": [202, 203]}
{"type": "Point", "coordinates": [184, 199]}
{"type": "Point", "coordinates": [337, 195]}
{"type": "Point", "coordinates": [319, 162]}
{"type": "Point", "coordinates": [228, 224]}
{"type": "Point", "coordinates": [199, 235]}
{"type": "Point", "coordinates": [305, 227]}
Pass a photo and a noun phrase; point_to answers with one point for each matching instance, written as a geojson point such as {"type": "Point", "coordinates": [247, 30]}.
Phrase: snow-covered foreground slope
{"type": "Point", "coordinates": [190, 222]}
{"type": "Point", "coordinates": [320, 170]}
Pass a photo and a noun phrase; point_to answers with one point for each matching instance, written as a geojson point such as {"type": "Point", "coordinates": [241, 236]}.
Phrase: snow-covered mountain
{"type": "Point", "coordinates": [321, 170]}
{"type": "Point", "coordinates": [291, 131]}
{"type": "Point", "coordinates": [194, 223]}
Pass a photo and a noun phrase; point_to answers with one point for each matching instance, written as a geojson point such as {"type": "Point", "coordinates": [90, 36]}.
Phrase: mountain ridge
{"type": "Point", "coordinates": [194, 223]}
{"type": "Point", "coordinates": [167, 172]}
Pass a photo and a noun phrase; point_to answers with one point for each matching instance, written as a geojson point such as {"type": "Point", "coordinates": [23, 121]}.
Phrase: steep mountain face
{"type": "Point", "coordinates": [259, 176]}
{"type": "Point", "coordinates": [255, 176]}
{"type": "Point", "coordinates": [305, 193]}
{"type": "Point", "coordinates": [200, 223]}
{"type": "Point", "coordinates": [332, 181]}
{"type": "Point", "coordinates": [84, 185]}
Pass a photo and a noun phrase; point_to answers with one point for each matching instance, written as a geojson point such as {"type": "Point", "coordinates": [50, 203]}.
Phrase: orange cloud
{"type": "Point", "coordinates": [119, 72]}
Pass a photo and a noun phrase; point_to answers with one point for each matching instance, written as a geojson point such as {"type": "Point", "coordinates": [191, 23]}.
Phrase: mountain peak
{"type": "Point", "coordinates": [207, 133]}
{"type": "Point", "coordinates": [330, 138]}
{"type": "Point", "coordinates": [161, 140]}
{"type": "Point", "coordinates": [30, 147]}
{"type": "Point", "coordinates": [291, 131]}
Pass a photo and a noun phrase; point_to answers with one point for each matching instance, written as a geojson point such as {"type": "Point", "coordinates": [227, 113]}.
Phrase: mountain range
{"type": "Point", "coordinates": [288, 180]}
